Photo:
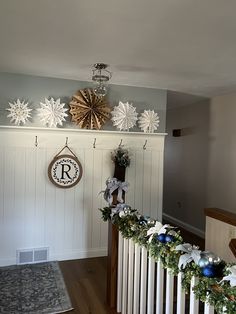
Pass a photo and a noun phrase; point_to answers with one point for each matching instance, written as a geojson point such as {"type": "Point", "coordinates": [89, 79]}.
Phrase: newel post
{"type": "Point", "coordinates": [113, 247]}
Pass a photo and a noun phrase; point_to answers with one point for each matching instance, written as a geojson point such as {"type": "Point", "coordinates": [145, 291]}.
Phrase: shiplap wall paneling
{"type": "Point", "coordinates": [19, 194]}
{"type": "Point", "coordinates": [107, 171]}
{"type": "Point", "coordinates": [147, 175]}
{"type": "Point", "coordinates": [131, 173]}
{"type": "Point", "coordinates": [29, 196]}
{"type": "Point", "coordinates": [157, 184]}
{"type": "Point", "coordinates": [138, 183]}
{"type": "Point", "coordinates": [10, 217]}
{"type": "Point", "coordinates": [35, 213]}
{"type": "Point", "coordinates": [79, 208]}
{"type": "Point", "coordinates": [97, 188]}
{"type": "Point", "coordinates": [145, 186]}
{"type": "Point", "coordinates": [40, 200]}
{"type": "Point", "coordinates": [50, 209]}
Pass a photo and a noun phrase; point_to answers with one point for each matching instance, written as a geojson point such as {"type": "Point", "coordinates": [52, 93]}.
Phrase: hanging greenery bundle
{"type": "Point", "coordinates": [121, 157]}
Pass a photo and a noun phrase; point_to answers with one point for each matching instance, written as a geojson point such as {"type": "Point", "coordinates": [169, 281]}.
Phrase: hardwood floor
{"type": "Point", "coordinates": [86, 284]}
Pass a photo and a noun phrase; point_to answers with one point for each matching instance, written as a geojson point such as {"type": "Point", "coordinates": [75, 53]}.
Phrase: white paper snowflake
{"type": "Point", "coordinates": [19, 112]}
{"type": "Point", "coordinates": [52, 112]}
{"type": "Point", "coordinates": [124, 116]}
{"type": "Point", "coordinates": [148, 121]}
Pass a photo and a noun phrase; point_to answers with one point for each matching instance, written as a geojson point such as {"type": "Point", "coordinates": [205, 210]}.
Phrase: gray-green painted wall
{"type": "Point", "coordinates": [34, 89]}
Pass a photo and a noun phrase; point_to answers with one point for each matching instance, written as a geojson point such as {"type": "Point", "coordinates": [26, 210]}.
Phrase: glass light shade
{"type": "Point", "coordinates": [101, 76]}
{"type": "Point", "coordinates": [100, 89]}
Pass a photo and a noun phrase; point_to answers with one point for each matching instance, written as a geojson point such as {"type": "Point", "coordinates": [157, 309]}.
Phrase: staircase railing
{"type": "Point", "coordinates": [145, 286]}
{"type": "Point", "coordinates": [156, 277]}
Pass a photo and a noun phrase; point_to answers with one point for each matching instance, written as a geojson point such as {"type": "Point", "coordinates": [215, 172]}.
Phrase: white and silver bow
{"type": "Point", "coordinates": [112, 185]}
{"type": "Point", "coordinates": [192, 254]}
{"type": "Point", "coordinates": [232, 276]}
{"type": "Point", "coordinates": [154, 230]}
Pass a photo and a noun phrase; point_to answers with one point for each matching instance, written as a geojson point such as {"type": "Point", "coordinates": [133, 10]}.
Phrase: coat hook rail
{"type": "Point", "coordinates": [94, 143]}
{"type": "Point", "coordinates": [120, 142]}
{"type": "Point", "coordinates": [36, 141]}
{"type": "Point", "coordinates": [145, 145]}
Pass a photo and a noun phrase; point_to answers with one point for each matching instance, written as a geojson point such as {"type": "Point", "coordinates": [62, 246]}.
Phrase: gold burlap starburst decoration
{"type": "Point", "coordinates": [88, 110]}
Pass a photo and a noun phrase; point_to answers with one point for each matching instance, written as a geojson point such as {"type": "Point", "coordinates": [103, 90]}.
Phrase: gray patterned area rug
{"type": "Point", "coordinates": [33, 289]}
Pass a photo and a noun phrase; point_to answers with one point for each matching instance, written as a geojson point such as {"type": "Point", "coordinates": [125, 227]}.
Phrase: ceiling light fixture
{"type": "Point", "coordinates": [101, 76]}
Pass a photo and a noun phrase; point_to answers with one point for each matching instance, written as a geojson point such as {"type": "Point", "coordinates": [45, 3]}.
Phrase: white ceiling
{"type": "Point", "coordinates": [181, 45]}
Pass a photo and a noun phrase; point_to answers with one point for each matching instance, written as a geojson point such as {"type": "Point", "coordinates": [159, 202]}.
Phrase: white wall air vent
{"type": "Point", "coordinates": [30, 256]}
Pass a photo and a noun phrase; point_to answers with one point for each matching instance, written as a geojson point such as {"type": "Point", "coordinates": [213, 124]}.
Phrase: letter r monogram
{"type": "Point", "coordinates": [64, 171]}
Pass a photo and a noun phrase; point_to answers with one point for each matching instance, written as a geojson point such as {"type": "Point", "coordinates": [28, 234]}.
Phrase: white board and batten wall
{"type": "Point", "coordinates": [35, 213]}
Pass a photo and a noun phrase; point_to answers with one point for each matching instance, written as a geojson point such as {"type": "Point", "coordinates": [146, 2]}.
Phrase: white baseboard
{"type": "Point", "coordinates": [7, 261]}
{"type": "Point", "coordinates": [184, 225]}
{"type": "Point", "coordinates": [78, 254]}
{"type": "Point", "coordinates": [69, 255]}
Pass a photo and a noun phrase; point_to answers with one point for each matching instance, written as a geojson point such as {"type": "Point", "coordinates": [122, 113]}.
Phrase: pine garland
{"type": "Point", "coordinates": [216, 292]}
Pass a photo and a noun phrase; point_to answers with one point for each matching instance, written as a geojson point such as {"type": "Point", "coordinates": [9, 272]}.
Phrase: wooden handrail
{"type": "Point", "coordinates": [222, 215]}
{"type": "Point", "coordinates": [227, 218]}
{"type": "Point", "coordinates": [232, 245]}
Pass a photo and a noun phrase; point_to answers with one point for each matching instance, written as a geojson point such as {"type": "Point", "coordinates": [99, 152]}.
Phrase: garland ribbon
{"type": "Point", "coordinates": [112, 185]}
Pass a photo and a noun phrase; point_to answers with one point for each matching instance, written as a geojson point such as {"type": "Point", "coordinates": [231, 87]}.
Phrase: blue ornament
{"type": "Point", "coordinates": [161, 237]}
{"type": "Point", "coordinates": [209, 271]}
{"type": "Point", "coordinates": [170, 238]}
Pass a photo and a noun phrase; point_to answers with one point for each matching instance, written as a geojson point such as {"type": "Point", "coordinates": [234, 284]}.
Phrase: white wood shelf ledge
{"type": "Point", "coordinates": [41, 129]}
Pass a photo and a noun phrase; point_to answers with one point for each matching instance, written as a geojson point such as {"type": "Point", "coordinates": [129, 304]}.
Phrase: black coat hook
{"type": "Point", "coordinates": [94, 143]}
{"type": "Point", "coordinates": [36, 141]}
{"type": "Point", "coordinates": [145, 145]}
{"type": "Point", "coordinates": [66, 141]}
{"type": "Point", "coordinates": [120, 143]}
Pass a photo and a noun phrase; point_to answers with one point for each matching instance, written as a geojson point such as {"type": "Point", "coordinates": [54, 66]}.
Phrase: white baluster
{"type": "Point", "coordinates": [136, 278]}
{"type": "Point", "coordinates": [159, 288]}
{"type": "Point", "coordinates": [143, 288]}
{"type": "Point", "coordinates": [194, 302]}
{"type": "Point", "coordinates": [125, 274]}
{"type": "Point", "coordinates": [130, 277]}
{"type": "Point", "coordinates": [169, 292]}
{"type": "Point", "coordinates": [208, 309]}
{"type": "Point", "coordinates": [150, 295]}
{"type": "Point", "coordinates": [180, 295]}
{"type": "Point", "coordinates": [119, 273]}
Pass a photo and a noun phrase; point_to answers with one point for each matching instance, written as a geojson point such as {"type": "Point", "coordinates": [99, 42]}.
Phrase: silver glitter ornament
{"type": "Point", "coordinates": [127, 209]}
{"type": "Point", "coordinates": [210, 257]}
{"type": "Point", "coordinates": [203, 262]}
{"type": "Point", "coordinates": [151, 222]}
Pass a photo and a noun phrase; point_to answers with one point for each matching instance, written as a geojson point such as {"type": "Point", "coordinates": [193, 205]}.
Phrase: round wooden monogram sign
{"type": "Point", "coordinates": [65, 171]}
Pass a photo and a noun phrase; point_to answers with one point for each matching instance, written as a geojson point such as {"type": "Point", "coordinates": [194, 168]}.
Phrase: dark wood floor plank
{"type": "Point", "coordinates": [86, 284]}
